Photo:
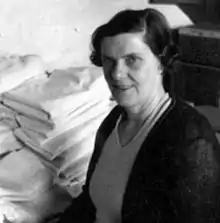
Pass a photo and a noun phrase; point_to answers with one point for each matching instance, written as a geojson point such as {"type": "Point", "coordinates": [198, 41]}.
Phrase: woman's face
{"type": "Point", "coordinates": [132, 71]}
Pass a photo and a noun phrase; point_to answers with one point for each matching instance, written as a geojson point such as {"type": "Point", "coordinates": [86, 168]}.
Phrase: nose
{"type": "Point", "coordinates": [118, 71]}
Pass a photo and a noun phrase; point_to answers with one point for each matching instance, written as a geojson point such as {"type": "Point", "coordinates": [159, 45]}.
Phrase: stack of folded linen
{"type": "Point", "coordinates": [57, 117]}
{"type": "Point", "coordinates": [26, 183]}
{"type": "Point", "coordinates": [14, 71]}
{"type": "Point", "coordinates": [48, 124]}
{"type": "Point", "coordinates": [8, 123]}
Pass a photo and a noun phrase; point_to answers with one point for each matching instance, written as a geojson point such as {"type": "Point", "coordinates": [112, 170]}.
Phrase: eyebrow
{"type": "Point", "coordinates": [126, 55]}
{"type": "Point", "coordinates": [107, 57]}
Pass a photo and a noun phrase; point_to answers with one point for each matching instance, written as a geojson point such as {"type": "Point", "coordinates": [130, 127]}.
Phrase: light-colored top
{"type": "Point", "coordinates": [107, 185]}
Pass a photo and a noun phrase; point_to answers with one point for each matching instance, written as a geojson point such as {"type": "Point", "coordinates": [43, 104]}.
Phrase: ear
{"type": "Point", "coordinates": [160, 66]}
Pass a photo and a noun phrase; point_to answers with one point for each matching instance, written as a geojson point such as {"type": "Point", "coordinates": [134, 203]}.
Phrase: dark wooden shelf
{"type": "Point", "coordinates": [198, 10]}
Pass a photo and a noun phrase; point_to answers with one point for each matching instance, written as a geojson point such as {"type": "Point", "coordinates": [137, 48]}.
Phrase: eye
{"type": "Point", "coordinates": [132, 60]}
{"type": "Point", "coordinates": [106, 60]}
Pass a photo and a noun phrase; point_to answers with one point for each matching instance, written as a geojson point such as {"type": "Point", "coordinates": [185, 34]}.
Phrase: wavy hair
{"type": "Point", "coordinates": [157, 34]}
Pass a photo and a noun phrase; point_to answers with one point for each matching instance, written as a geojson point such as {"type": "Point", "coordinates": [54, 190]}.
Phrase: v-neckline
{"type": "Point", "coordinates": [117, 135]}
{"type": "Point", "coordinates": [150, 122]}
{"type": "Point", "coordinates": [133, 138]}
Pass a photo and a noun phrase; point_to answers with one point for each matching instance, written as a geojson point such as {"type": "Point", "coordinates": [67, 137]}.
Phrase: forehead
{"type": "Point", "coordinates": [124, 44]}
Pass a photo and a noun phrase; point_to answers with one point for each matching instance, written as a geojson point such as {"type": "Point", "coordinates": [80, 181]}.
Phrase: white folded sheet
{"type": "Point", "coordinates": [38, 126]}
{"type": "Point", "coordinates": [27, 190]}
{"type": "Point", "coordinates": [15, 69]}
{"type": "Point", "coordinates": [54, 97]}
{"type": "Point", "coordinates": [8, 141]}
{"type": "Point", "coordinates": [21, 108]}
{"type": "Point", "coordinates": [57, 117]}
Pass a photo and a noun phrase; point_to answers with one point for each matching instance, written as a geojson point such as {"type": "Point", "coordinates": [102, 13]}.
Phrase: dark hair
{"type": "Point", "coordinates": [156, 34]}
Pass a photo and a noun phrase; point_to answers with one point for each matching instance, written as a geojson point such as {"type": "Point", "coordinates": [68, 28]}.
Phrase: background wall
{"type": "Point", "coordinates": [58, 30]}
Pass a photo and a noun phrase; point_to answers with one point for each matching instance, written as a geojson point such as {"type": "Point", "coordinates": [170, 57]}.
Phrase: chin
{"type": "Point", "coordinates": [124, 103]}
{"type": "Point", "coordinates": [124, 99]}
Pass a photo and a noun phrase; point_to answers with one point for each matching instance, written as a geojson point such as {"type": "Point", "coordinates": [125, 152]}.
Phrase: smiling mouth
{"type": "Point", "coordinates": [121, 87]}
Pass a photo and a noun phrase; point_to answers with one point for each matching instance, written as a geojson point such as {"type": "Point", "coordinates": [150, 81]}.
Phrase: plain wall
{"type": "Point", "coordinates": [58, 30]}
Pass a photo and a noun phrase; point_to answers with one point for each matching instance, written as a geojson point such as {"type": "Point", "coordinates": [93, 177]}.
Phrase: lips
{"type": "Point", "coordinates": [122, 87]}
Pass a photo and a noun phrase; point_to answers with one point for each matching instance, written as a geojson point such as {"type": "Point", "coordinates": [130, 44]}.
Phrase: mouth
{"type": "Point", "coordinates": [121, 87]}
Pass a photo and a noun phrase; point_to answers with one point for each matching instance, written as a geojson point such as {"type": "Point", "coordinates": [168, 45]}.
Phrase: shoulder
{"type": "Point", "coordinates": [109, 122]}
{"type": "Point", "coordinates": [196, 143]}
{"type": "Point", "coordinates": [188, 122]}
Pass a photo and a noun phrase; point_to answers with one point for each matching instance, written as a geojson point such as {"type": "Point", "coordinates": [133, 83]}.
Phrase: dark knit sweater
{"type": "Point", "coordinates": [175, 177]}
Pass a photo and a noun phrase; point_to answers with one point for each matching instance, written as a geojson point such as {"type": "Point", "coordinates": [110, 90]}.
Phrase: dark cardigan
{"type": "Point", "coordinates": [175, 177]}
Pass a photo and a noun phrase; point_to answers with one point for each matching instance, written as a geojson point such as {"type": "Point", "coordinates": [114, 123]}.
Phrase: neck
{"type": "Point", "coordinates": [141, 113]}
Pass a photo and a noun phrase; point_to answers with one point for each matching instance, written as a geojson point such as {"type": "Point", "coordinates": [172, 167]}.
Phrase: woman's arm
{"type": "Point", "coordinates": [72, 212]}
{"type": "Point", "coordinates": [199, 186]}
{"type": "Point", "coordinates": [75, 210]}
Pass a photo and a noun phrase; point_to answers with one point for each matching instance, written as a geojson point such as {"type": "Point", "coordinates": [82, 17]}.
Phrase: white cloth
{"type": "Point", "coordinates": [43, 127]}
{"type": "Point", "coordinates": [61, 93]}
{"type": "Point", "coordinates": [27, 192]}
{"type": "Point", "coordinates": [54, 121]}
{"type": "Point", "coordinates": [57, 117]}
{"type": "Point", "coordinates": [16, 69]}
{"type": "Point", "coordinates": [8, 141]}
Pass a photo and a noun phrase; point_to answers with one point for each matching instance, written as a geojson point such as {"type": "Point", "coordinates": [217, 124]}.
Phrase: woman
{"type": "Point", "coordinates": [156, 159]}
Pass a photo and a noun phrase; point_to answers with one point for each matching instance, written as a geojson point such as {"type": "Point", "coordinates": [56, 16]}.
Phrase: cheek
{"type": "Point", "coordinates": [146, 78]}
{"type": "Point", "coordinates": [107, 76]}
{"type": "Point", "coordinates": [108, 68]}
{"type": "Point", "coordinates": [106, 72]}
